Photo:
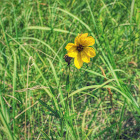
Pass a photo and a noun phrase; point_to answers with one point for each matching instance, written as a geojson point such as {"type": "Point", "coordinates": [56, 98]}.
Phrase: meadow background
{"type": "Point", "coordinates": [41, 98]}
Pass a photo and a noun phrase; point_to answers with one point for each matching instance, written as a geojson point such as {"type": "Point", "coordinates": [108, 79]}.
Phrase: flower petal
{"type": "Point", "coordinates": [78, 61]}
{"type": "Point", "coordinates": [84, 35]}
{"type": "Point", "coordinates": [79, 38]}
{"type": "Point", "coordinates": [85, 57]}
{"type": "Point", "coordinates": [90, 51]}
{"type": "Point", "coordinates": [69, 45]}
{"type": "Point", "coordinates": [88, 41]}
{"type": "Point", "coordinates": [72, 52]}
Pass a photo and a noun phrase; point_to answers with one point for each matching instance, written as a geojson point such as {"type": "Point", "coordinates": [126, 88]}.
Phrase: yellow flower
{"type": "Point", "coordinates": [80, 50]}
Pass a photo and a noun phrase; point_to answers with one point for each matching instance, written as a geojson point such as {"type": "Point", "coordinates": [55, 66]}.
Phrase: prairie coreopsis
{"type": "Point", "coordinates": [80, 50]}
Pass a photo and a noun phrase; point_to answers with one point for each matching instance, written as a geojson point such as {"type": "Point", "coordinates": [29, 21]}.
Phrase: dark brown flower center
{"type": "Point", "coordinates": [80, 48]}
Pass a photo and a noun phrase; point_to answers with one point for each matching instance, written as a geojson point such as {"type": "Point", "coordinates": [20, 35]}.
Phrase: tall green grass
{"type": "Point", "coordinates": [43, 98]}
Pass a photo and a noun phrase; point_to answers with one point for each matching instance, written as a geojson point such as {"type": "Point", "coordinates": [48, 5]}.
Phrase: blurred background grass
{"type": "Point", "coordinates": [40, 98]}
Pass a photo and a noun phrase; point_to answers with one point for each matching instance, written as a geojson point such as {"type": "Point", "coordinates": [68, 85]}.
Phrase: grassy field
{"type": "Point", "coordinates": [43, 98]}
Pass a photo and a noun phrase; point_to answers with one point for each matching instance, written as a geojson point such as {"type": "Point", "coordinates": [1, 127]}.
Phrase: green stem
{"type": "Point", "coordinates": [6, 126]}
